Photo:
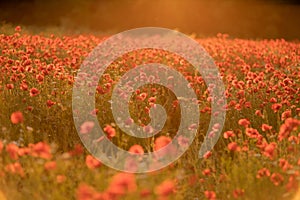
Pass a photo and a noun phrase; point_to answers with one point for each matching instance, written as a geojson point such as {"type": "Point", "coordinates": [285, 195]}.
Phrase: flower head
{"type": "Point", "coordinates": [16, 117]}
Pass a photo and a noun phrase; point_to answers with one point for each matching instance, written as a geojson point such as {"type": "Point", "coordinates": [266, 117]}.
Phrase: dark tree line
{"type": "Point", "coordinates": [246, 18]}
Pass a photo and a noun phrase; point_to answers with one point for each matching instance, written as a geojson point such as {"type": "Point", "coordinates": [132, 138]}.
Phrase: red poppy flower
{"type": "Point", "coordinates": [161, 141]}
{"type": "Point", "coordinates": [10, 86]}
{"type": "Point", "coordinates": [276, 107]}
{"type": "Point", "coordinates": [41, 150]}
{"type": "Point", "coordinates": [269, 150]}
{"type": "Point", "coordinates": [78, 150]}
{"type": "Point", "coordinates": [228, 134]}
{"type": "Point", "coordinates": [284, 164]}
{"type": "Point", "coordinates": [61, 178]}
{"type": "Point", "coordinates": [253, 133]}
{"type": "Point", "coordinates": [17, 117]}
{"type": "Point", "coordinates": [51, 165]}
{"type": "Point", "coordinates": [50, 103]}
{"type": "Point", "coordinates": [110, 131]}
{"type": "Point", "coordinates": [87, 127]}
{"type": "Point", "coordinates": [34, 92]}
{"type": "Point", "coordinates": [206, 172]}
{"type": "Point", "coordinates": [85, 192]}
{"type": "Point", "coordinates": [265, 127]}
{"type": "Point", "coordinates": [12, 150]}
{"type": "Point", "coordinates": [210, 195]}
{"type": "Point", "coordinates": [207, 154]}
{"type": "Point", "coordinates": [166, 188]}
{"type": "Point", "coordinates": [262, 173]}
{"type": "Point", "coordinates": [124, 182]}
{"type": "Point", "coordinates": [92, 163]}
{"type": "Point", "coordinates": [286, 114]}
{"type": "Point", "coordinates": [18, 28]}
{"type": "Point", "coordinates": [244, 122]}
{"type": "Point", "coordinates": [276, 178]}
{"type": "Point", "coordinates": [15, 168]}
{"type": "Point", "coordinates": [258, 113]}
{"type": "Point", "coordinates": [136, 149]}
{"type": "Point", "coordinates": [233, 146]}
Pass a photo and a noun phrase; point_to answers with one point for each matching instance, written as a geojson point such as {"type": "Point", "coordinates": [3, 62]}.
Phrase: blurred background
{"type": "Point", "coordinates": [238, 18]}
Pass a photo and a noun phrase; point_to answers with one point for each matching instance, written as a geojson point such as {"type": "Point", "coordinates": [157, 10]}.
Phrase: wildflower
{"type": "Point", "coordinates": [244, 122]}
{"type": "Point", "coordinates": [292, 183]}
{"type": "Point", "coordinates": [78, 150]}
{"type": "Point", "coordinates": [129, 121]}
{"type": "Point", "coordinates": [91, 162]}
{"type": "Point", "coordinates": [161, 142]}
{"type": "Point", "coordinates": [50, 103]}
{"type": "Point", "coordinates": [34, 92]}
{"type": "Point", "coordinates": [286, 114]}
{"type": "Point", "coordinates": [292, 123]}
{"type": "Point", "coordinates": [265, 127]}
{"type": "Point", "coordinates": [85, 192]}
{"type": "Point", "coordinates": [17, 117]}
{"type": "Point", "coordinates": [87, 127]}
{"type": "Point", "coordinates": [233, 146]}
{"type": "Point", "coordinates": [192, 127]}
{"type": "Point", "coordinates": [284, 132]}
{"type": "Point", "coordinates": [166, 188]}
{"type": "Point", "coordinates": [51, 165]}
{"type": "Point", "coordinates": [276, 107]}
{"type": "Point", "coordinates": [24, 151]}
{"type": "Point", "coordinates": [41, 150]}
{"type": "Point", "coordinates": [152, 100]}
{"type": "Point", "coordinates": [24, 86]}
{"type": "Point", "coordinates": [122, 183]}
{"type": "Point", "coordinates": [293, 139]}
{"type": "Point", "coordinates": [273, 100]}
{"type": "Point", "coordinates": [142, 96]}
{"type": "Point", "coordinates": [30, 108]}
{"type": "Point", "coordinates": [207, 154]}
{"type": "Point", "coordinates": [237, 193]}
{"type": "Point", "coordinates": [61, 178]}
{"type": "Point", "coordinates": [18, 28]}
{"type": "Point", "coordinates": [252, 133]}
{"type": "Point", "coordinates": [148, 129]}
{"type": "Point", "coordinates": [15, 168]}
{"type": "Point", "coordinates": [206, 172]}
{"type": "Point", "coordinates": [211, 195]}
{"type": "Point", "coordinates": [269, 150]}
{"type": "Point", "coordinates": [131, 164]}
{"type": "Point", "coordinates": [216, 127]}
{"type": "Point", "coordinates": [39, 78]}
{"type": "Point", "coordinates": [258, 113]}
{"type": "Point", "coordinates": [10, 86]}
{"type": "Point", "coordinates": [12, 150]}
{"type": "Point", "coordinates": [263, 172]}
{"type": "Point", "coordinates": [284, 164]}
{"type": "Point", "coordinates": [95, 112]}
{"type": "Point", "coordinates": [289, 125]}
{"type": "Point", "coordinates": [175, 103]}
{"type": "Point", "coordinates": [110, 131]}
{"type": "Point", "coordinates": [228, 134]}
{"type": "Point", "coordinates": [136, 149]}
{"type": "Point", "coordinates": [276, 178]}
{"type": "Point", "coordinates": [183, 141]}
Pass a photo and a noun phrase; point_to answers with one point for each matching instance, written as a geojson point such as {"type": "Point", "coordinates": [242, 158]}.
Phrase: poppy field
{"type": "Point", "coordinates": [42, 156]}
